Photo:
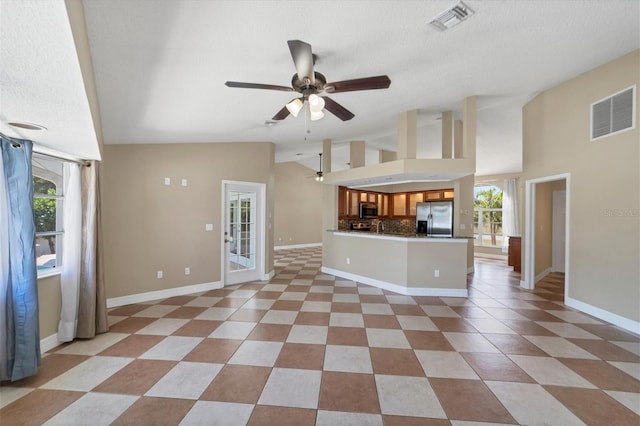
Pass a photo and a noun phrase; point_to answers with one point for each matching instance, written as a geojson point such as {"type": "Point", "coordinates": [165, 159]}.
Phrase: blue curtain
{"type": "Point", "coordinates": [21, 353]}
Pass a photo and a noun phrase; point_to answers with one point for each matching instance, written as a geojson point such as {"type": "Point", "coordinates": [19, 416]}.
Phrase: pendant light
{"type": "Point", "coordinates": [319, 177]}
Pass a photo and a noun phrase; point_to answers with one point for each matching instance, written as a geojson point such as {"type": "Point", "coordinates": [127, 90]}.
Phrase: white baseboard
{"type": "Point", "coordinates": [297, 246]}
{"type": "Point", "coordinates": [615, 319]}
{"type": "Point", "coordinates": [268, 276]}
{"type": "Point", "coordinates": [409, 291]}
{"type": "Point", "coordinates": [541, 275]}
{"type": "Point", "coordinates": [49, 343]}
{"type": "Point", "coordinates": [162, 294]}
{"type": "Point", "coordinates": [491, 256]}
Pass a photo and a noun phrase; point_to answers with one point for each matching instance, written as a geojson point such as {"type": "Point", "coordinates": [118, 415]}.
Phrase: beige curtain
{"type": "Point", "coordinates": [92, 309]}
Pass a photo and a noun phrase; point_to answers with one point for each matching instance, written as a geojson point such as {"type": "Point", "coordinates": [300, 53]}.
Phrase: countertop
{"type": "Point", "coordinates": [399, 236]}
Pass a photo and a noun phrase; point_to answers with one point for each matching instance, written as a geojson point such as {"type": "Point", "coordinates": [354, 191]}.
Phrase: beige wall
{"type": "Point", "coordinates": [544, 210]}
{"type": "Point", "coordinates": [149, 226]}
{"type": "Point", "coordinates": [49, 305]}
{"type": "Point", "coordinates": [298, 205]}
{"type": "Point", "coordinates": [604, 188]}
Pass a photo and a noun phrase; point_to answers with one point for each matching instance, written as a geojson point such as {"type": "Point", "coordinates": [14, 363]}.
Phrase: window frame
{"type": "Point", "coordinates": [478, 225]}
{"type": "Point", "coordinates": [58, 181]}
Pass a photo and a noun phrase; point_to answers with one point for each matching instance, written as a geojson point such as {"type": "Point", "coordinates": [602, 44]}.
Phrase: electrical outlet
{"type": "Point", "coordinates": [348, 261]}
{"type": "Point", "coordinates": [159, 275]}
{"type": "Point", "coordinates": [436, 273]}
{"type": "Point", "coordinates": [208, 227]}
{"type": "Point", "coordinates": [187, 271]}
{"type": "Point", "coordinates": [463, 226]}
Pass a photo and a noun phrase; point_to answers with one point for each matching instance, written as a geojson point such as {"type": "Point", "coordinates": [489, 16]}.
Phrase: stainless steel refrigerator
{"type": "Point", "coordinates": [435, 218]}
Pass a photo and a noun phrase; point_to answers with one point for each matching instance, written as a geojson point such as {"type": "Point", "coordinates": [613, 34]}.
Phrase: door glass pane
{"type": "Point", "coordinates": [242, 217]}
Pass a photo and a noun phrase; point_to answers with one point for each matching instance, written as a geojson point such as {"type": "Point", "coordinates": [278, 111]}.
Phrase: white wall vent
{"type": "Point", "coordinates": [614, 114]}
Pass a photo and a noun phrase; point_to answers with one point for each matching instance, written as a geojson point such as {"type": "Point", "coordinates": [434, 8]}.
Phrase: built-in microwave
{"type": "Point", "coordinates": [368, 211]}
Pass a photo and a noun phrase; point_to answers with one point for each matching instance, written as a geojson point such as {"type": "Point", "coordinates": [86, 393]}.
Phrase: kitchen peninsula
{"type": "Point", "coordinates": [405, 264]}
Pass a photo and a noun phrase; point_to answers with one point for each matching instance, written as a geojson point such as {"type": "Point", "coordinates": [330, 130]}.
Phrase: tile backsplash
{"type": "Point", "coordinates": [395, 226]}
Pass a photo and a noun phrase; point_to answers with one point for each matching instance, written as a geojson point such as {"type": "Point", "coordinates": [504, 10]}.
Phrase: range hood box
{"type": "Point", "coordinates": [403, 171]}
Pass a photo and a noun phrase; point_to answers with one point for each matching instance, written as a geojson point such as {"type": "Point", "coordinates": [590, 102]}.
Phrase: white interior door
{"type": "Point", "coordinates": [558, 231]}
{"type": "Point", "coordinates": [243, 232]}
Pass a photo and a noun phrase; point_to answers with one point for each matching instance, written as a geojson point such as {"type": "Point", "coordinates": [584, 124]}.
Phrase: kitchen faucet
{"type": "Point", "coordinates": [378, 225]}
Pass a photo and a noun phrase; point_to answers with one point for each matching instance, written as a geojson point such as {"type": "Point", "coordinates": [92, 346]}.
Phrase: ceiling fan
{"type": "Point", "coordinates": [310, 84]}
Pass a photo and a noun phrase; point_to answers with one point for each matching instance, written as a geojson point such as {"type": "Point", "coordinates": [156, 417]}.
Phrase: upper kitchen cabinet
{"type": "Point", "coordinates": [349, 202]}
{"type": "Point", "coordinates": [444, 194]}
{"type": "Point", "coordinates": [399, 205]}
{"type": "Point", "coordinates": [416, 197]}
{"type": "Point", "coordinates": [399, 202]}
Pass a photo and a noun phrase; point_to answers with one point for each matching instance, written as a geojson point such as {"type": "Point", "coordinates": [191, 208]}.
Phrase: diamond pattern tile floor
{"type": "Point", "coordinates": [307, 348]}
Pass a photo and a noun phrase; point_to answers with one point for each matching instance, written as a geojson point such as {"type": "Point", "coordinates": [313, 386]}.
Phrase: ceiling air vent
{"type": "Point", "coordinates": [452, 17]}
{"type": "Point", "coordinates": [613, 114]}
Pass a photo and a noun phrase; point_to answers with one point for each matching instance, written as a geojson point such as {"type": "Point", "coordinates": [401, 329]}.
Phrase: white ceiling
{"type": "Point", "coordinates": [160, 68]}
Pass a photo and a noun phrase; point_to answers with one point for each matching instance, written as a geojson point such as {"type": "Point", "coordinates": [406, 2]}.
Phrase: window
{"type": "Point", "coordinates": [487, 216]}
{"type": "Point", "coordinates": [48, 199]}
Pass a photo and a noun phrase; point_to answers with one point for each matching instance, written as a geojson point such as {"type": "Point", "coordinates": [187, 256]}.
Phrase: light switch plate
{"type": "Point", "coordinates": [208, 227]}
{"type": "Point", "coordinates": [167, 181]}
{"type": "Point", "coordinates": [184, 182]}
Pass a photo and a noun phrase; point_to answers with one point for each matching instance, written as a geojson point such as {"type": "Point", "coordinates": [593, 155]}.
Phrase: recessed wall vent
{"type": "Point", "coordinates": [452, 17]}
{"type": "Point", "coordinates": [613, 114]}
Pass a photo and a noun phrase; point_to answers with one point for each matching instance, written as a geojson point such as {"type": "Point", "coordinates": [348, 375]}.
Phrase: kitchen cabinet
{"type": "Point", "coordinates": [416, 197]}
{"type": "Point", "coordinates": [353, 204]}
{"type": "Point", "coordinates": [383, 205]}
{"type": "Point", "coordinates": [514, 253]}
{"type": "Point", "coordinates": [399, 205]}
{"type": "Point", "coordinates": [437, 195]}
{"type": "Point", "coordinates": [349, 201]}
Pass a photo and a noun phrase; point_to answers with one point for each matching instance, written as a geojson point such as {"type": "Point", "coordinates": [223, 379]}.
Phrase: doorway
{"type": "Point", "coordinates": [559, 218]}
{"type": "Point", "coordinates": [560, 237]}
{"type": "Point", "coordinates": [243, 232]}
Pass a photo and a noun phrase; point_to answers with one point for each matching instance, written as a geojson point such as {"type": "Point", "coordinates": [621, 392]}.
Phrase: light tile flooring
{"type": "Point", "coordinates": [309, 348]}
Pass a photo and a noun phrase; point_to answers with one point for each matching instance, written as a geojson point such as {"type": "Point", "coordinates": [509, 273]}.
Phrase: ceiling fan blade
{"type": "Point", "coordinates": [336, 109]}
{"type": "Point", "coordinates": [257, 86]}
{"type": "Point", "coordinates": [367, 83]}
{"type": "Point", "coordinates": [303, 59]}
{"type": "Point", "coordinates": [282, 114]}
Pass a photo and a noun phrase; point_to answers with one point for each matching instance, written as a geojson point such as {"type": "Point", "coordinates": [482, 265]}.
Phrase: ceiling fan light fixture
{"type": "Point", "coordinates": [295, 106]}
{"type": "Point", "coordinates": [316, 103]}
{"type": "Point", "coordinates": [316, 115]}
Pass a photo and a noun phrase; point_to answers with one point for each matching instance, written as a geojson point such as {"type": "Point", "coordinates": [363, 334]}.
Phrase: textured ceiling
{"type": "Point", "coordinates": [160, 68]}
{"type": "Point", "coordinates": [41, 80]}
